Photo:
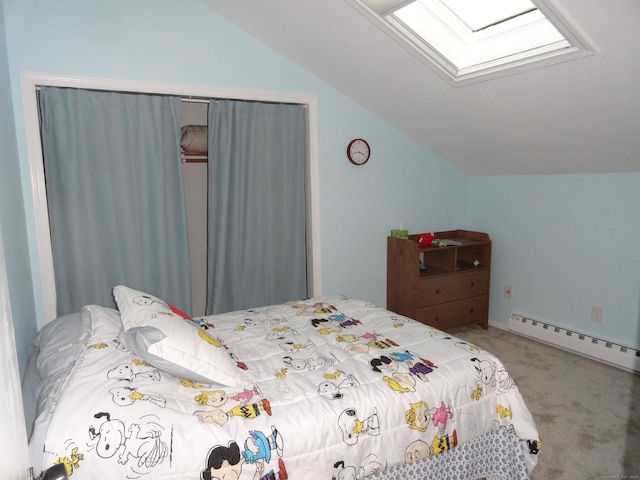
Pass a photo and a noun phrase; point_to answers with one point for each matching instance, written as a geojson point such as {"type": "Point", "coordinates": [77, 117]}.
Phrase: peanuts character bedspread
{"type": "Point", "coordinates": [303, 390]}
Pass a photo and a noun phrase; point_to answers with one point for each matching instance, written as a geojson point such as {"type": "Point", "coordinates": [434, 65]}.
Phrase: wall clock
{"type": "Point", "coordinates": [358, 151]}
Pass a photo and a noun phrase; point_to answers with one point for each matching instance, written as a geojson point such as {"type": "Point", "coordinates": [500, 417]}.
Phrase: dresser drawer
{"type": "Point", "coordinates": [452, 314]}
{"type": "Point", "coordinates": [447, 288]}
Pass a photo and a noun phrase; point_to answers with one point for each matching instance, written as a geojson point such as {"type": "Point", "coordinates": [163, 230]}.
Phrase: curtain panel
{"type": "Point", "coordinates": [257, 205]}
{"type": "Point", "coordinates": [115, 196]}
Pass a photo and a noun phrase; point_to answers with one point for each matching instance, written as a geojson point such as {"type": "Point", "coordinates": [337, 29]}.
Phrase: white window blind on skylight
{"type": "Point", "coordinates": [478, 15]}
{"type": "Point", "coordinates": [466, 37]}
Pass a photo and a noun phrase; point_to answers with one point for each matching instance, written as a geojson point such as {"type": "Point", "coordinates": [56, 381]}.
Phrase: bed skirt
{"type": "Point", "coordinates": [496, 455]}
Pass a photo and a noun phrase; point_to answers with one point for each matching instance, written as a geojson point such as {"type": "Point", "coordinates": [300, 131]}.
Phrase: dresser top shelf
{"type": "Point", "coordinates": [465, 238]}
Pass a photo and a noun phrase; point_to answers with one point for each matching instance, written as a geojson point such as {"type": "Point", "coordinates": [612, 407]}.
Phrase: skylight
{"type": "Point", "coordinates": [469, 38]}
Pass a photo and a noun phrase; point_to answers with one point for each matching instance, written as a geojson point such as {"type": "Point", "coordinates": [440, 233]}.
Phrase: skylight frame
{"type": "Point", "coordinates": [430, 24]}
{"type": "Point", "coordinates": [576, 45]}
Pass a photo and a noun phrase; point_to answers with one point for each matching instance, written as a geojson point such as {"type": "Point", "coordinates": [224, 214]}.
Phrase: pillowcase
{"type": "Point", "coordinates": [56, 347]}
{"type": "Point", "coordinates": [170, 342]}
{"type": "Point", "coordinates": [60, 341]}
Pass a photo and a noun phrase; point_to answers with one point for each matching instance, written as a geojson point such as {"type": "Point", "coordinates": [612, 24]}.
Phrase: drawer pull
{"type": "Point", "coordinates": [437, 291]}
{"type": "Point", "coordinates": [437, 319]}
{"type": "Point", "coordinates": [473, 284]}
{"type": "Point", "coordinates": [471, 310]}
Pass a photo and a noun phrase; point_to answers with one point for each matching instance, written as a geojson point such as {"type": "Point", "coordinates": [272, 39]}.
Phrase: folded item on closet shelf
{"type": "Point", "coordinates": [193, 138]}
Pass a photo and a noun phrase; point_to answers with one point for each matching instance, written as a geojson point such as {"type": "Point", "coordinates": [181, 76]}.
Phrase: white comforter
{"type": "Point", "coordinates": [337, 388]}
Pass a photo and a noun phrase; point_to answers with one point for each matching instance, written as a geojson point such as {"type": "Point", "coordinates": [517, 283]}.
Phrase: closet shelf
{"type": "Point", "coordinates": [194, 157]}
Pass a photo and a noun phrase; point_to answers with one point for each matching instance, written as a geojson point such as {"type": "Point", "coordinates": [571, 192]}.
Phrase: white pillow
{"type": "Point", "coordinates": [171, 341]}
{"type": "Point", "coordinates": [59, 342]}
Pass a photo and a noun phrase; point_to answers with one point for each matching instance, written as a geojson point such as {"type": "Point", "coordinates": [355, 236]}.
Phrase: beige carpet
{"type": "Point", "coordinates": [587, 413]}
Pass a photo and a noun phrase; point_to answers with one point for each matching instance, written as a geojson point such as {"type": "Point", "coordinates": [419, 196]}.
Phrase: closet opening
{"type": "Point", "coordinates": [41, 251]}
{"type": "Point", "coordinates": [194, 172]}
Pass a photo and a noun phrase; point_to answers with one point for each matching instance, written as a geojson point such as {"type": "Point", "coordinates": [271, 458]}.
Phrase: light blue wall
{"type": "Point", "coordinates": [183, 42]}
{"type": "Point", "coordinates": [564, 243]}
{"type": "Point", "coordinates": [12, 217]}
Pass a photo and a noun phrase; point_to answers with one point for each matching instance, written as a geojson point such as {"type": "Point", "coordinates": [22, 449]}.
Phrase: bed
{"type": "Point", "coordinates": [321, 388]}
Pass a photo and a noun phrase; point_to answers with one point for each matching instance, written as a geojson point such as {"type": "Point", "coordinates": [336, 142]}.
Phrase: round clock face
{"type": "Point", "coordinates": [358, 151]}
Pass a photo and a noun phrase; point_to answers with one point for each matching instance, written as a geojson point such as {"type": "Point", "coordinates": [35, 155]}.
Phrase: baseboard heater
{"type": "Point", "coordinates": [605, 351]}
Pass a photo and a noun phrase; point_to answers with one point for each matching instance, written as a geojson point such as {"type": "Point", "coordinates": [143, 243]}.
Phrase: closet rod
{"type": "Point", "coordinates": [194, 100]}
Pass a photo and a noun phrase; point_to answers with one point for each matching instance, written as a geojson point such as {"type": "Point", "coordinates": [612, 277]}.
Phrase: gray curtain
{"type": "Point", "coordinates": [115, 196]}
{"type": "Point", "coordinates": [256, 228]}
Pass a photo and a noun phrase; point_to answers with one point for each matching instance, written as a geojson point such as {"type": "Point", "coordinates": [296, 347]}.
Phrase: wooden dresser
{"type": "Point", "coordinates": [441, 286]}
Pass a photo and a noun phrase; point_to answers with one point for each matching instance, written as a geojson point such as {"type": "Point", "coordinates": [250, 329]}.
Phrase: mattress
{"type": "Point", "coordinates": [321, 388]}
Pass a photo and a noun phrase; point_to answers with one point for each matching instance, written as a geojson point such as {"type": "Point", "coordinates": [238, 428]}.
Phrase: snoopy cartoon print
{"type": "Point", "coordinates": [333, 391]}
{"type": "Point", "coordinates": [370, 466]}
{"type": "Point", "coordinates": [352, 428]}
{"type": "Point", "coordinates": [291, 347]}
{"type": "Point", "coordinates": [112, 436]}
{"type": "Point", "coordinates": [309, 363]}
{"type": "Point", "coordinates": [317, 308]}
{"type": "Point", "coordinates": [490, 374]}
{"type": "Point", "coordinates": [280, 333]}
{"type": "Point", "coordinates": [134, 371]}
{"type": "Point", "coordinates": [147, 301]}
{"type": "Point", "coordinates": [126, 396]}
